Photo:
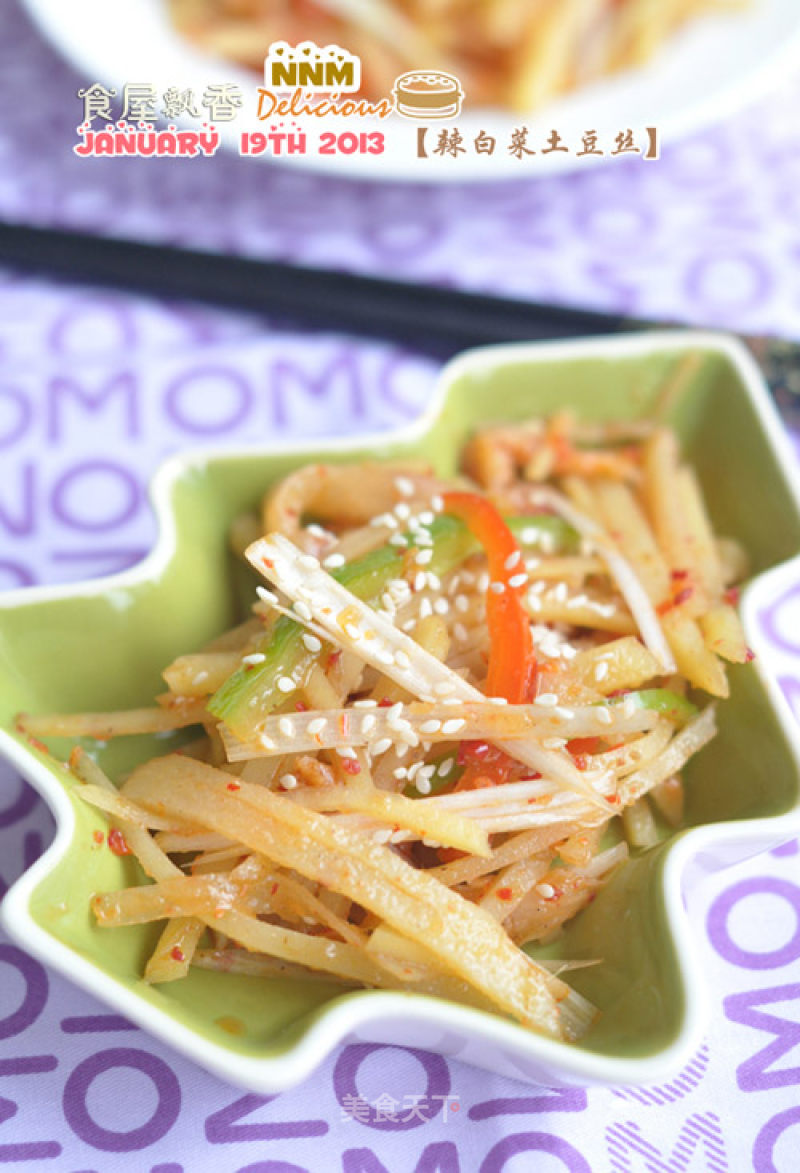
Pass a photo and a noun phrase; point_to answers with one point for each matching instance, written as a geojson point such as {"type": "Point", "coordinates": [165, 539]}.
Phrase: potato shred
{"type": "Point", "coordinates": [457, 705]}
{"type": "Point", "coordinates": [513, 53]}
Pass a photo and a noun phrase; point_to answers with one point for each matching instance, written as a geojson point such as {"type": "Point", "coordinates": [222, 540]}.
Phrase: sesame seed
{"type": "Point", "coordinates": [401, 659]}
{"type": "Point", "coordinates": [311, 643]}
{"type": "Point", "coordinates": [432, 726]}
{"type": "Point", "coordinates": [266, 742]}
{"type": "Point", "coordinates": [286, 684]}
{"type": "Point", "coordinates": [462, 603]}
{"type": "Point", "coordinates": [445, 767]}
{"type": "Point", "coordinates": [425, 608]}
{"type": "Point", "coordinates": [443, 687]}
{"type": "Point", "coordinates": [437, 503]}
{"type": "Point", "coordinates": [426, 517]}
{"type": "Point", "coordinates": [308, 562]}
{"type": "Point", "coordinates": [316, 726]}
{"type": "Point", "coordinates": [441, 606]}
{"type": "Point", "coordinates": [453, 725]}
{"type": "Point", "coordinates": [404, 486]}
{"type": "Point", "coordinates": [547, 891]}
{"type": "Point", "coordinates": [497, 700]}
{"type": "Point", "coordinates": [517, 580]}
{"type": "Point", "coordinates": [548, 699]}
{"type": "Point", "coordinates": [563, 711]}
{"type": "Point", "coordinates": [344, 751]}
{"type": "Point", "coordinates": [497, 588]}
{"type": "Point", "coordinates": [402, 511]}
{"type": "Point", "coordinates": [286, 726]}
{"type": "Point", "coordinates": [381, 746]}
{"type": "Point", "coordinates": [288, 782]}
{"type": "Point", "coordinates": [601, 671]}
{"type": "Point", "coordinates": [397, 540]}
{"type": "Point", "coordinates": [265, 595]}
{"type": "Point", "coordinates": [554, 743]}
{"type": "Point", "coordinates": [534, 603]}
{"type": "Point", "coordinates": [423, 785]}
{"type": "Point", "coordinates": [352, 632]}
{"type": "Point", "coordinates": [334, 561]}
{"type": "Point", "coordinates": [386, 520]}
{"type": "Point", "coordinates": [604, 716]}
{"type": "Point", "coordinates": [400, 772]}
{"type": "Point", "coordinates": [423, 557]}
{"type": "Point", "coordinates": [408, 737]}
{"type": "Point", "coordinates": [629, 707]}
{"type": "Point", "coordinates": [560, 592]}
{"type": "Point", "coordinates": [199, 677]}
{"type": "Point", "coordinates": [302, 609]}
{"type": "Point", "coordinates": [409, 625]}
{"type": "Point", "coordinates": [367, 703]}
{"type": "Point", "coordinates": [368, 724]}
{"type": "Point", "coordinates": [433, 580]}
{"type": "Point", "coordinates": [512, 560]}
{"type": "Point", "coordinates": [254, 658]}
{"type": "Point", "coordinates": [577, 601]}
{"type": "Point", "coordinates": [419, 580]}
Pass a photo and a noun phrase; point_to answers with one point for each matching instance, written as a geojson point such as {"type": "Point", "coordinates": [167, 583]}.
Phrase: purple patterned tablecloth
{"type": "Point", "coordinates": [96, 388]}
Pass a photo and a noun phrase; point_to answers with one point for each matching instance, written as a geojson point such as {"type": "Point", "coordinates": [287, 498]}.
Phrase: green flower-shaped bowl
{"type": "Point", "coordinates": [101, 645]}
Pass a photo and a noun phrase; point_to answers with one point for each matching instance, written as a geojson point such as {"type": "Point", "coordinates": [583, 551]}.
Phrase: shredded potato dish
{"type": "Point", "coordinates": [457, 705]}
{"type": "Point", "coordinates": [513, 53]}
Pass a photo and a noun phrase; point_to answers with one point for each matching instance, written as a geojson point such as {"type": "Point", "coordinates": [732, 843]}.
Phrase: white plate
{"type": "Point", "coordinates": [715, 66]}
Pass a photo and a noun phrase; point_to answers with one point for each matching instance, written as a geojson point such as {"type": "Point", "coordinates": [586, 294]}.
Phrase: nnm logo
{"type": "Point", "coordinates": [307, 66]}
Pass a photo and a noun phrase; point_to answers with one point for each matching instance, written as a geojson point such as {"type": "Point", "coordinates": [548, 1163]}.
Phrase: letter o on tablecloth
{"type": "Point", "coordinates": [723, 906]}
{"type": "Point", "coordinates": [161, 1076]}
{"type": "Point", "coordinates": [534, 1142]}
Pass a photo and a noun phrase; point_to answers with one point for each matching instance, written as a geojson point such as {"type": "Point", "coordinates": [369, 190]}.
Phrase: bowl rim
{"type": "Point", "coordinates": [342, 1019]}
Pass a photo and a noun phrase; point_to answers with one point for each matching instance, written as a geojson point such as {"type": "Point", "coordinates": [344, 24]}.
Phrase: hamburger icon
{"type": "Point", "coordinates": [425, 93]}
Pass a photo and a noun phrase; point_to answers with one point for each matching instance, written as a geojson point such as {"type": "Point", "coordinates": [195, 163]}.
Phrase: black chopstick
{"type": "Point", "coordinates": [431, 319]}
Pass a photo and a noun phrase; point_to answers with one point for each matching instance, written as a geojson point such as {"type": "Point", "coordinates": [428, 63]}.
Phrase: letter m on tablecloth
{"type": "Point", "coordinates": [699, 1146]}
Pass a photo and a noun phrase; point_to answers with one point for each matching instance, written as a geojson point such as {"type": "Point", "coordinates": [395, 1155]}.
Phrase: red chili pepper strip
{"type": "Point", "coordinates": [512, 663]}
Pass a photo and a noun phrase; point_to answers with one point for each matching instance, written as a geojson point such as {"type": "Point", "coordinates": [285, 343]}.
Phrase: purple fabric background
{"type": "Point", "coordinates": [95, 389]}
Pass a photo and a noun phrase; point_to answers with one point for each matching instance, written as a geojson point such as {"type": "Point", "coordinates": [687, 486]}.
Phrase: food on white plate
{"type": "Point", "coordinates": [456, 707]}
{"type": "Point", "coordinates": [512, 53]}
